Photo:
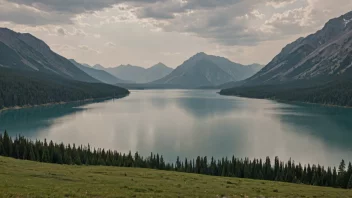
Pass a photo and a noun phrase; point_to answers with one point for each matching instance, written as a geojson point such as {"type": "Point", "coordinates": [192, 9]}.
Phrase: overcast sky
{"type": "Point", "coordinates": [145, 32]}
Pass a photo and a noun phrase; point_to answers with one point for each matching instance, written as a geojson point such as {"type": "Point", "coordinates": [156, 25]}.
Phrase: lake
{"type": "Point", "coordinates": [188, 123]}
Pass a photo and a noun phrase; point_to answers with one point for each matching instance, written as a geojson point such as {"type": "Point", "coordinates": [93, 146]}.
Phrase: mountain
{"type": "Point", "coordinates": [128, 72]}
{"type": "Point", "coordinates": [156, 72]}
{"type": "Point", "coordinates": [324, 54]}
{"type": "Point", "coordinates": [315, 69]}
{"type": "Point", "coordinates": [204, 70]}
{"type": "Point", "coordinates": [27, 88]}
{"type": "Point", "coordinates": [26, 52]}
{"type": "Point", "coordinates": [138, 74]}
{"type": "Point", "coordinates": [100, 75]}
{"type": "Point", "coordinates": [97, 66]}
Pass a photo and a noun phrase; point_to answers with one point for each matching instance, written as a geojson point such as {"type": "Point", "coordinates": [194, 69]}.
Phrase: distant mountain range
{"type": "Point", "coordinates": [317, 68]}
{"type": "Point", "coordinates": [204, 70]}
{"type": "Point", "coordinates": [100, 75]}
{"type": "Point", "coordinates": [136, 74]}
{"type": "Point", "coordinates": [26, 52]}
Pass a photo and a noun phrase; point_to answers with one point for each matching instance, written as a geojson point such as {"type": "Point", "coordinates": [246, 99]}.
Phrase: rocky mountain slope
{"type": "Point", "coordinates": [204, 70]}
{"type": "Point", "coordinates": [315, 69]}
{"type": "Point", "coordinates": [324, 54]}
{"type": "Point", "coordinates": [27, 52]}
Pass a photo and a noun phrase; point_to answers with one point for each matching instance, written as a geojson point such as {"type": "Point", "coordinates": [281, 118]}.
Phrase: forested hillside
{"type": "Point", "coordinates": [336, 92]}
{"type": "Point", "coordinates": [21, 88]}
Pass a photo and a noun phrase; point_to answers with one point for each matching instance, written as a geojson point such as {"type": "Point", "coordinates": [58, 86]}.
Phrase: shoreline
{"type": "Point", "coordinates": [59, 103]}
{"type": "Point", "coordinates": [288, 101]}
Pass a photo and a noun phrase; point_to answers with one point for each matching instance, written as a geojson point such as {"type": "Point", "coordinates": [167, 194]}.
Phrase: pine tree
{"type": "Point", "coordinates": [349, 185]}
{"type": "Point", "coordinates": [162, 163]}
{"type": "Point", "coordinates": [57, 156]}
{"type": "Point", "coordinates": [32, 154]}
{"type": "Point", "coordinates": [7, 145]}
{"type": "Point", "coordinates": [341, 176]}
{"type": "Point", "coordinates": [67, 158]}
{"type": "Point", "coordinates": [45, 155]}
{"type": "Point", "coordinates": [342, 167]}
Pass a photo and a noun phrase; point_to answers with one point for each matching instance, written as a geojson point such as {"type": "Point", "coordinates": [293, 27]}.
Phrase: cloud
{"type": "Point", "coordinates": [224, 22]}
{"type": "Point", "coordinates": [279, 3]}
{"type": "Point", "coordinates": [170, 53]}
{"type": "Point", "coordinates": [110, 44]}
{"type": "Point", "coordinates": [257, 14]}
{"type": "Point", "coordinates": [44, 12]}
{"type": "Point", "coordinates": [76, 6]}
{"type": "Point", "coordinates": [293, 21]}
{"type": "Point", "coordinates": [61, 31]}
{"type": "Point", "coordinates": [89, 49]}
{"type": "Point", "coordinates": [62, 48]}
{"type": "Point", "coordinates": [240, 22]}
{"type": "Point", "coordinates": [23, 14]}
{"type": "Point", "coordinates": [171, 8]}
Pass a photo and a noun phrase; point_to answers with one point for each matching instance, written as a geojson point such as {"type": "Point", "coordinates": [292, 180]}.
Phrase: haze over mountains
{"type": "Point", "coordinates": [136, 74]}
{"type": "Point", "coordinates": [100, 75]}
{"type": "Point", "coordinates": [204, 70]}
{"type": "Point", "coordinates": [201, 70]}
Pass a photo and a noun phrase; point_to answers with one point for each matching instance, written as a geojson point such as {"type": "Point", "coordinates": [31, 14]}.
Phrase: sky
{"type": "Point", "coordinates": [145, 32]}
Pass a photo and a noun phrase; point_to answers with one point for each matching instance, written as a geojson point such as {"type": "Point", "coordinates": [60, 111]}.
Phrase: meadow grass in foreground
{"type": "Point", "coordinates": [19, 178]}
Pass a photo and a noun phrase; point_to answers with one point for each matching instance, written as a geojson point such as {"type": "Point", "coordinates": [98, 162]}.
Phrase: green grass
{"type": "Point", "coordinates": [31, 179]}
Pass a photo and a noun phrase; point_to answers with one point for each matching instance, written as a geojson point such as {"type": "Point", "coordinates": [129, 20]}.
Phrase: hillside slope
{"type": "Point", "coordinates": [29, 53]}
{"type": "Point", "coordinates": [22, 88]}
{"type": "Point", "coordinates": [32, 179]}
{"type": "Point", "coordinates": [204, 70]}
{"type": "Point", "coordinates": [315, 69]}
{"type": "Point", "coordinates": [324, 54]}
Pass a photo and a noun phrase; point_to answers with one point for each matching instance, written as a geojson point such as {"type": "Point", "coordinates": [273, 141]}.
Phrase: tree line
{"type": "Point", "coordinates": [21, 88]}
{"type": "Point", "coordinates": [50, 152]}
{"type": "Point", "coordinates": [337, 92]}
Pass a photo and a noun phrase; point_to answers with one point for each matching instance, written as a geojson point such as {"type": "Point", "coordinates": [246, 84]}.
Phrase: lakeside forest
{"type": "Point", "coordinates": [290, 171]}
{"type": "Point", "coordinates": [29, 88]}
{"type": "Point", "coordinates": [337, 92]}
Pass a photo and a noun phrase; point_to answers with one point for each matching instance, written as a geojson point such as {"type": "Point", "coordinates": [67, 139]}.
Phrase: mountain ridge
{"type": "Point", "coordinates": [314, 69]}
{"type": "Point", "coordinates": [100, 75]}
{"type": "Point", "coordinates": [324, 53]}
{"type": "Point", "coordinates": [137, 74]}
{"type": "Point", "coordinates": [34, 54]}
{"type": "Point", "coordinates": [191, 73]}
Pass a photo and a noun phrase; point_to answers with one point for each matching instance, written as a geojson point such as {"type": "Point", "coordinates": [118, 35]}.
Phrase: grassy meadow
{"type": "Point", "coordinates": [19, 178]}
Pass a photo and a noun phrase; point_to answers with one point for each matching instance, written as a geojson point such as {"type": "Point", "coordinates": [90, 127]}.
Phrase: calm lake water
{"type": "Point", "coordinates": [188, 123]}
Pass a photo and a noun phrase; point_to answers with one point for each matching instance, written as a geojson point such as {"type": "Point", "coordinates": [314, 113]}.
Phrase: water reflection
{"type": "Point", "coordinates": [189, 123]}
